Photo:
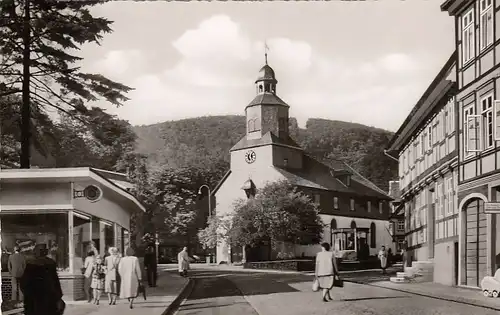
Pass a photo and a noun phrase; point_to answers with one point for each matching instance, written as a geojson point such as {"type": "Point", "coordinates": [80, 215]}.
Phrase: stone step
{"type": "Point", "coordinates": [398, 279]}
{"type": "Point", "coordinates": [402, 275]}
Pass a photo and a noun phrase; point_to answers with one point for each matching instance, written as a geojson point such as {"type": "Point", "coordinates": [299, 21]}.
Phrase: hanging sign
{"type": "Point", "coordinates": [492, 207]}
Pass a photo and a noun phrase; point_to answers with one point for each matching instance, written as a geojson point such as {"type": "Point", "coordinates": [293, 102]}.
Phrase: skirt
{"type": "Point", "coordinates": [97, 284]}
{"type": "Point", "coordinates": [111, 286]}
{"type": "Point", "coordinates": [325, 282]}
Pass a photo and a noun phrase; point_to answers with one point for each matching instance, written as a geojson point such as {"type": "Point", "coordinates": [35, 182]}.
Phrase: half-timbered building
{"type": "Point", "coordinates": [426, 147]}
{"type": "Point", "coordinates": [477, 39]}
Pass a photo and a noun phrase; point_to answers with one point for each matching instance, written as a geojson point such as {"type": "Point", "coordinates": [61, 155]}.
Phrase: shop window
{"type": "Point", "coordinates": [48, 230]}
{"type": "Point", "coordinates": [109, 236]}
{"type": "Point", "coordinates": [81, 241]}
{"type": "Point", "coordinates": [96, 235]}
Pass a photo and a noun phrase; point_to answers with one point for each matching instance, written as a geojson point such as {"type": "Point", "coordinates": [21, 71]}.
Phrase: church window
{"type": "Point", "coordinates": [251, 125]}
{"type": "Point", "coordinates": [260, 88]}
{"type": "Point", "coordinates": [282, 124]}
{"type": "Point", "coordinates": [267, 87]}
{"type": "Point", "coordinates": [257, 125]}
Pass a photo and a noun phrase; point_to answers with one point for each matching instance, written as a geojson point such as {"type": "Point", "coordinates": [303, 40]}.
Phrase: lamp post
{"type": "Point", "coordinates": [209, 210]}
{"type": "Point", "coordinates": [209, 198]}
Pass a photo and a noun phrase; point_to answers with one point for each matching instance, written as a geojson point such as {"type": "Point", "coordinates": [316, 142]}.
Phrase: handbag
{"type": "Point", "coordinates": [315, 285]}
{"type": "Point", "coordinates": [142, 289]}
{"type": "Point", "coordinates": [337, 282]}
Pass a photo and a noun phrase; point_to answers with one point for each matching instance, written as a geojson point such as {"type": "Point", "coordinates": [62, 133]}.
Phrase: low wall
{"type": "Point", "coordinates": [288, 265]}
{"type": "Point", "coordinates": [71, 285]}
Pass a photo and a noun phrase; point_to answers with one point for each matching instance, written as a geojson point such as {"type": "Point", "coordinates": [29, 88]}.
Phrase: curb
{"type": "Point", "coordinates": [442, 298]}
{"type": "Point", "coordinates": [185, 291]}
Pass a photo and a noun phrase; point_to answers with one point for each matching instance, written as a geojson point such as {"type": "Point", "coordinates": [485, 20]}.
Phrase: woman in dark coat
{"type": "Point", "coordinates": [41, 286]}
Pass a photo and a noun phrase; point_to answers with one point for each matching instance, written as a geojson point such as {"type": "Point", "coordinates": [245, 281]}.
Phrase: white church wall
{"type": "Point", "coordinates": [259, 172]}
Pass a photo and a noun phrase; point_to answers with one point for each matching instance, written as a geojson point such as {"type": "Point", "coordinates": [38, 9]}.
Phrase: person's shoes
{"type": "Point", "coordinates": [325, 300]}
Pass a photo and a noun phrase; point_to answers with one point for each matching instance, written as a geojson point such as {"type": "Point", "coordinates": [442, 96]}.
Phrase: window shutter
{"type": "Point", "coordinates": [496, 120]}
{"type": "Point", "coordinates": [473, 133]}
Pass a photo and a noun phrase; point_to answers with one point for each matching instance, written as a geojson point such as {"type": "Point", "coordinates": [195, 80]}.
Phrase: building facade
{"type": "Point", "coordinates": [477, 38]}
{"type": "Point", "coordinates": [354, 210]}
{"type": "Point", "coordinates": [397, 216]}
{"type": "Point", "coordinates": [64, 210]}
{"type": "Point", "coordinates": [427, 150]}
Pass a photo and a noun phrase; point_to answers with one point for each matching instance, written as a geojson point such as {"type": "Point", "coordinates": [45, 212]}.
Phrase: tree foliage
{"type": "Point", "coordinates": [279, 212]}
{"type": "Point", "coordinates": [215, 232]}
{"type": "Point", "coordinates": [38, 41]}
{"type": "Point", "coordinates": [207, 141]}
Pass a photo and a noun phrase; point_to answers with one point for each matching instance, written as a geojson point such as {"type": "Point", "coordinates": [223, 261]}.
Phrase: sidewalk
{"type": "Point", "coordinates": [443, 292]}
{"type": "Point", "coordinates": [170, 290]}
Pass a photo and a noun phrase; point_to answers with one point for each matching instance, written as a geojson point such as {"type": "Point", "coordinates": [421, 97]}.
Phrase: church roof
{"type": "Point", "coordinates": [315, 174]}
{"type": "Point", "coordinates": [266, 73]}
{"type": "Point", "coordinates": [268, 138]}
{"type": "Point", "coordinates": [267, 98]}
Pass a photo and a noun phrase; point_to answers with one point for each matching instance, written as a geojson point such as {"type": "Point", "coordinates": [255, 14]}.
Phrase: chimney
{"type": "Point", "coordinates": [394, 191]}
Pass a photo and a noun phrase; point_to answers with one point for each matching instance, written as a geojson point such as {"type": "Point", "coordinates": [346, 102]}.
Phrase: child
{"type": "Point", "coordinates": [98, 275]}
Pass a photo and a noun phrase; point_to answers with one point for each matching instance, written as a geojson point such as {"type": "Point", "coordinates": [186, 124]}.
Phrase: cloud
{"type": "Point", "coordinates": [118, 62]}
{"type": "Point", "coordinates": [219, 61]}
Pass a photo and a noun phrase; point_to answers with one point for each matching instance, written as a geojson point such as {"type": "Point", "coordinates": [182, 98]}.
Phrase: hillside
{"type": "Point", "coordinates": [207, 140]}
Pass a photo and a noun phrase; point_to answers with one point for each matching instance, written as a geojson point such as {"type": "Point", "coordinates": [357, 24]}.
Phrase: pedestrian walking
{"type": "Point", "coordinates": [150, 264]}
{"type": "Point", "coordinates": [16, 266]}
{"type": "Point", "coordinates": [40, 285]}
{"type": "Point", "coordinates": [131, 277]}
{"type": "Point", "coordinates": [183, 261]}
{"type": "Point", "coordinates": [382, 256]}
{"type": "Point", "coordinates": [326, 271]}
{"type": "Point", "coordinates": [98, 276]}
{"type": "Point", "coordinates": [87, 273]}
{"type": "Point", "coordinates": [111, 283]}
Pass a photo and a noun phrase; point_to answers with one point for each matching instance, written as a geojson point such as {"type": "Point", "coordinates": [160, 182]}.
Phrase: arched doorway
{"type": "Point", "coordinates": [474, 263]}
{"type": "Point", "coordinates": [373, 235]}
{"type": "Point", "coordinates": [333, 226]}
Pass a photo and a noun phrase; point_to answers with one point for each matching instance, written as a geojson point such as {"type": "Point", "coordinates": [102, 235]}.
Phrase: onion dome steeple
{"type": "Point", "coordinates": [266, 82]}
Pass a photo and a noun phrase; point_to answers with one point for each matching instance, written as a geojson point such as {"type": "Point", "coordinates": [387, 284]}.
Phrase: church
{"type": "Point", "coordinates": [355, 211]}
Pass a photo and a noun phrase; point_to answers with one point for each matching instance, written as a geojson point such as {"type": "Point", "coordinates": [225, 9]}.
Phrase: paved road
{"type": "Point", "coordinates": [241, 293]}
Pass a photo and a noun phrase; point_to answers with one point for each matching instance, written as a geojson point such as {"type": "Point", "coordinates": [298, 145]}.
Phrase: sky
{"type": "Point", "coordinates": [360, 61]}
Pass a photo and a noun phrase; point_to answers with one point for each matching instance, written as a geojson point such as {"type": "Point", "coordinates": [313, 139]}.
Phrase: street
{"type": "Point", "coordinates": [252, 293]}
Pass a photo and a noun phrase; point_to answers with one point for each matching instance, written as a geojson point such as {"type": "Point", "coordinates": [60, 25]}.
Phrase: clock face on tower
{"type": "Point", "coordinates": [250, 156]}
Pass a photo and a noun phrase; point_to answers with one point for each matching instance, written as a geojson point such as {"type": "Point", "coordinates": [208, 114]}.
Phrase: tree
{"type": "Point", "coordinates": [215, 232]}
{"type": "Point", "coordinates": [37, 41]}
{"type": "Point", "coordinates": [279, 212]}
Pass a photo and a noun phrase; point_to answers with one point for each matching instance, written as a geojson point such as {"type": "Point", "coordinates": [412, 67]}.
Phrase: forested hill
{"type": "Point", "coordinates": [205, 141]}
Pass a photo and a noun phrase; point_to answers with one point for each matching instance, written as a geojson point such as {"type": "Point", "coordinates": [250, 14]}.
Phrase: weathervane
{"type": "Point", "coordinates": [266, 49]}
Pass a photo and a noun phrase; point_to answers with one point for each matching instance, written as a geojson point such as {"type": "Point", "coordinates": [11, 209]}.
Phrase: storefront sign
{"type": "Point", "coordinates": [492, 207]}
{"type": "Point", "coordinates": [91, 192]}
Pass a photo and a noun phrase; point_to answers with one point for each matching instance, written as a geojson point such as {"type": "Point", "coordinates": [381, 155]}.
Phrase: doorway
{"type": "Point", "coordinates": [455, 266]}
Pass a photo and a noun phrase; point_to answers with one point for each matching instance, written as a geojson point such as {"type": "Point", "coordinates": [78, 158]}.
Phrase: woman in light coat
{"type": "Point", "coordinates": [131, 277]}
{"type": "Point", "coordinates": [111, 282]}
{"type": "Point", "coordinates": [382, 255]}
{"type": "Point", "coordinates": [183, 261]}
{"type": "Point", "coordinates": [326, 270]}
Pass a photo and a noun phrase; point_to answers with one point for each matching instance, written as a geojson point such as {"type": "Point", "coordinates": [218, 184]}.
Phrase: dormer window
{"type": "Point", "coordinates": [249, 188]}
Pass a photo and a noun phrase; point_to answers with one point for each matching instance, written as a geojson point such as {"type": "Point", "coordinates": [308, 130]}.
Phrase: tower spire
{"type": "Point", "coordinates": [266, 49]}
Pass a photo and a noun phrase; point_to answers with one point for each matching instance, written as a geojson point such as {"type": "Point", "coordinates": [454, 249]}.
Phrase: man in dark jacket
{"type": "Point", "coordinates": [41, 286]}
{"type": "Point", "coordinates": [151, 266]}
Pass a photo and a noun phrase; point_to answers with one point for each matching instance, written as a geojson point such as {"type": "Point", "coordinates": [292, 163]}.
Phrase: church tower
{"type": "Point", "coordinates": [266, 112]}
{"type": "Point", "coordinates": [267, 127]}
